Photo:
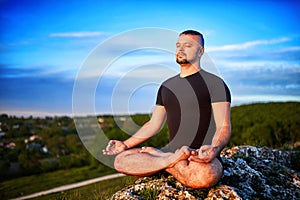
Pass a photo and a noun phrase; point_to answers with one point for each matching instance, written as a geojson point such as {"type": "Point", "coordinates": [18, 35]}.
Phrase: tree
{"type": "Point", "coordinates": [29, 162]}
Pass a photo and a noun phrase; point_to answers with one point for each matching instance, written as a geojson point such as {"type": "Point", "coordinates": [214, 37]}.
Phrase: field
{"type": "Point", "coordinates": [35, 183]}
{"type": "Point", "coordinates": [98, 191]}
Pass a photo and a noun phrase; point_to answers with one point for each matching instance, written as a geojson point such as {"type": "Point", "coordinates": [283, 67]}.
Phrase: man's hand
{"type": "Point", "coordinates": [205, 154]}
{"type": "Point", "coordinates": [114, 147]}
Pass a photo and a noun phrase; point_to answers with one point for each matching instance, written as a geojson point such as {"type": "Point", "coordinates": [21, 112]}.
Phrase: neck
{"type": "Point", "coordinates": [188, 69]}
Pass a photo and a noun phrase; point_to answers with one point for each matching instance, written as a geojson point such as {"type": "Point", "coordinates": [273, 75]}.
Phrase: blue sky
{"type": "Point", "coordinates": [255, 46]}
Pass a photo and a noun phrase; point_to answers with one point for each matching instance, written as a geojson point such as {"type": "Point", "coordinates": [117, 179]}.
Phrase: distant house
{"type": "Point", "coordinates": [33, 145]}
{"type": "Point", "coordinates": [34, 137]}
{"type": "Point", "coordinates": [100, 120]}
{"type": "Point", "coordinates": [122, 119]}
{"type": "Point", "coordinates": [44, 149]}
{"type": "Point", "coordinates": [2, 134]}
{"type": "Point", "coordinates": [10, 145]}
{"type": "Point", "coordinates": [16, 126]}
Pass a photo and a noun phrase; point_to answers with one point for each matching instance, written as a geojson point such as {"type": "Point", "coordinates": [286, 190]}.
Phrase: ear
{"type": "Point", "coordinates": [200, 52]}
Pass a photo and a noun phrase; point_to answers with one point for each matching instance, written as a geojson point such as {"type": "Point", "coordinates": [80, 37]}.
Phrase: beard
{"type": "Point", "coordinates": [182, 61]}
{"type": "Point", "coordinates": [181, 58]}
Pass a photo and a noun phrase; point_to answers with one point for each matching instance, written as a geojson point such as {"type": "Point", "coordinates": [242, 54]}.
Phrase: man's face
{"type": "Point", "coordinates": [188, 49]}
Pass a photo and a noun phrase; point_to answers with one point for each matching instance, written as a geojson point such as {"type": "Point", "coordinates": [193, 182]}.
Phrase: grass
{"type": "Point", "coordinates": [36, 183]}
{"type": "Point", "coordinates": [150, 193]}
{"type": "Point", "coordinates": [97, 191]}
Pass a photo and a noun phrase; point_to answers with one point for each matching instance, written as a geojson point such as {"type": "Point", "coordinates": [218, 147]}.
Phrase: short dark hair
{"type": "Point", "coordinates": [193, 32]}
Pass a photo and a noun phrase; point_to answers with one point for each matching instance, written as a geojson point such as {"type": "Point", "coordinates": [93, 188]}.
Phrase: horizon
{"type": "Point", "coordinates": [44, 115]}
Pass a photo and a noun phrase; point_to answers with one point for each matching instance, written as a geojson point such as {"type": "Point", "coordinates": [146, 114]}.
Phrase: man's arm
{"type": "Point", "coordinates": [149, 129]}
{"type": "Point", "coordinates": [222, 135]}
{"type": "Point", "coordinates": [207, 153]}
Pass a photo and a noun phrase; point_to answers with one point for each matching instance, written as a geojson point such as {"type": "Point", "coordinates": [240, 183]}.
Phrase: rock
{"type": "Point", "coordinates": [249, 173]}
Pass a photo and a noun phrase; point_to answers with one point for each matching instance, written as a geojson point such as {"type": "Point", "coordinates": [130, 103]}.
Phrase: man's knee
{"type": "Point", "coordinates": [211, 174]}
{"type": "Point", "coordinates": [120, 161]}
{"type": "Point", "coordinates": [202, 181]}
{"type": "Point", "coordinates": [198, 175]}
{"type": "Point", "coordinates": [123, 163]}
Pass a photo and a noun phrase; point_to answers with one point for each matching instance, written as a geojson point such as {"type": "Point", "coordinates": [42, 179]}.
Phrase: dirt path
{"type": "Point", "coordinates": [70, 186]}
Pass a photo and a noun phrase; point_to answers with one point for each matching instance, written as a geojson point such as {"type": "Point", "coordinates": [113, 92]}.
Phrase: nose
{"type": "Point", "coordinates": [180, 48]}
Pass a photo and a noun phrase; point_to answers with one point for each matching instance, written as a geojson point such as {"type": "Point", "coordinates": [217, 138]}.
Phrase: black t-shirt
{"type": "Point", "coordinates": [188, 105]}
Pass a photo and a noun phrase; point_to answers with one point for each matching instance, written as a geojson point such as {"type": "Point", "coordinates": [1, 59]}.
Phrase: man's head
{"type": "Point", "coordinates": [189, 47]}
{"type": "Point", "coordinates": [196, 33]}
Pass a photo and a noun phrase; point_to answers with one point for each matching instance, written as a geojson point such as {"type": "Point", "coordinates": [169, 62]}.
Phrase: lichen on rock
{"type": "Point", "coordinates": [249, 173]}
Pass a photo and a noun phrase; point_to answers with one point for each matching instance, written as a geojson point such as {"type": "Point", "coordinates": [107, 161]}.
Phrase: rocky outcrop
{"type": "Point", "coordinates": [249, 173]}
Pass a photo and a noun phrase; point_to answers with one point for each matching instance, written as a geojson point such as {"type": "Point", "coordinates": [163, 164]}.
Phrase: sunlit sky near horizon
{"type": "Point", "coordinates": [255, 46]}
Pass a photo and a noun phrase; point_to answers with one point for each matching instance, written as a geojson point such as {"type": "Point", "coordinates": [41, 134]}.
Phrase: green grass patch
{"type": "Point", "coordinates": [36, 183]}
{"type": "Point", "coordinates": [149, 193]}
{"type": "Point", "coordinates": [97, 191]}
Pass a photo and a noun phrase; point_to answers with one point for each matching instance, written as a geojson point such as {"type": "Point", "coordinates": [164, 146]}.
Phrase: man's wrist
{"type": "Point", "coordinates": [217, 148]}
{"type": "Point", "coordinates": [127, 146]}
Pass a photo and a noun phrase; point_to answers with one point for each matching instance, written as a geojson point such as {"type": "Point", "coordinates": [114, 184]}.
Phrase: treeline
{"type": "Point", "coordinates": [275, 125]}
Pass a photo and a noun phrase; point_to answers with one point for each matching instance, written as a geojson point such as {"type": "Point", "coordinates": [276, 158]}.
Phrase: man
{"type": "Point", "coordinates": [196, 105]}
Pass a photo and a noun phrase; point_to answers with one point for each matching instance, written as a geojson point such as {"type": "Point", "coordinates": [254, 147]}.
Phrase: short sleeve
{"type": "Point", "coordinates": [159, 100]}
{"type": "Point", "coordinates": [218, 90]}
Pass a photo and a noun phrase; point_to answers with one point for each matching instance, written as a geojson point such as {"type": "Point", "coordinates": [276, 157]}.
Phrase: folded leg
{"type": "Point", "coordinates": [147, 161]}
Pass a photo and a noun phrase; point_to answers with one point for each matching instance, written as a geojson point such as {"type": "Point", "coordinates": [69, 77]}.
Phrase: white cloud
{"type": "Point", "coordinates": [77, 34]}
{"type": "Point", "coordinates": [292, 48]}
{"type": "Point", "coordinates": [257, 64]}
{"type": "Point", "coordinates": [246, 45]}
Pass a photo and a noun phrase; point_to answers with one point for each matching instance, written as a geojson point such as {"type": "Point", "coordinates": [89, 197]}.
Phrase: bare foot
{"type": "Point", "coordinates": [180, 154]}
{"type": "Point", "coordinates": [155, 152]}
{"type": "Point", "coordinates": [151, 150]}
